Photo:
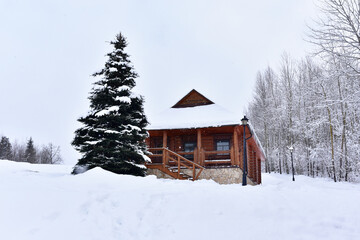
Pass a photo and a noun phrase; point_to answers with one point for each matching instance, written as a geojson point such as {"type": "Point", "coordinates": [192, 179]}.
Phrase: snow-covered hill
{"type": "Point", "coordinates": [46, 202]}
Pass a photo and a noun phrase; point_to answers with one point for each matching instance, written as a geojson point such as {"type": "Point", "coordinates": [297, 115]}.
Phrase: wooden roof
{"type": "Point", "coordinates": [192, 99]}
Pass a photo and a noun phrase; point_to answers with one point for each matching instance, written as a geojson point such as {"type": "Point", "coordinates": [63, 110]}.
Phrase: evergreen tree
{"type": "Point", "coordinates": [30, 152]}
{"type": "Point", "coordinates": [113, 135]}
{"type": "Point", "coordinates": [5, 148]}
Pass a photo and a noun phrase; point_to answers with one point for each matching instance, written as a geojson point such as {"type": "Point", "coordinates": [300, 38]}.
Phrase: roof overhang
{"type": "Point", "coordinates": [201, 127]}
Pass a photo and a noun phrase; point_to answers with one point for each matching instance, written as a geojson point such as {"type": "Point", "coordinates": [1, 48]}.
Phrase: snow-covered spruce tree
{"type": "Point", "coordinates": [30, 152]}
{"type": "Point", "coordinates": [113, 135]}
{"type": "Point", "coordinates": [5, 148]}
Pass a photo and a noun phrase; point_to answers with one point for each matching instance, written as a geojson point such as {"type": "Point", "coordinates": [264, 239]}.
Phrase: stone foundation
{"type": "Point", "coordinates": [220, 175]}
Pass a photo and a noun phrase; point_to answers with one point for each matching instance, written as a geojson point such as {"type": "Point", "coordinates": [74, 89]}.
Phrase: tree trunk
{"type": "Point", "coordinates": [331, 135]}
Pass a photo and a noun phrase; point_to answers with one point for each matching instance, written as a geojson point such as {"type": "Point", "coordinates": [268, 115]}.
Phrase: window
{"type": "Point", "coordinates": [189, 147]}
{"type": "Point", "coordinates": [223, 145]}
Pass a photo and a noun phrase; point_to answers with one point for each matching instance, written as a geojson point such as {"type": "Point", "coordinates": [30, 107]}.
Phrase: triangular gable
{"type": "Point", "coordinates": [192, 99]}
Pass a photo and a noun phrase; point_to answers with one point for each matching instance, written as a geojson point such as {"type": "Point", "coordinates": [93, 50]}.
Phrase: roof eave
{"type": "Point", "coordinates": [182, 128]}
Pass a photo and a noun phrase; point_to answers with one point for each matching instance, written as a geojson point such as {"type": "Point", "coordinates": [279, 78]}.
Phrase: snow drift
{"type": "Point", "coordinates": [46, 202]}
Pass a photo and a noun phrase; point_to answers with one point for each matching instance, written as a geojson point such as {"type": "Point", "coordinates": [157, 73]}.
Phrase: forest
{"type": "Point", "coordinates": [312, 104]}
{"type": "Point", "coordinates": [29, 152]}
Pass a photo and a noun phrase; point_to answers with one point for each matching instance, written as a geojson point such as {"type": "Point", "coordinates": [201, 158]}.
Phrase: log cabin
{"type": "Point", "coordinates": [197, 139]}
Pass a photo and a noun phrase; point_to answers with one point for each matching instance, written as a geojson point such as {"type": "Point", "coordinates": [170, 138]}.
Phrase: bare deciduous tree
{"type": "Point", "coordinates": [50, 154]}
{"type": "Point", "coordinates": [337, 31]}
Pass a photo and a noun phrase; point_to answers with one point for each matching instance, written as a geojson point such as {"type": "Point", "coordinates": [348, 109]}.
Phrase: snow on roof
{"type": "Point", "coordinates": [197, 117]}
{"type": "Point", "coordinates": [193, 117]}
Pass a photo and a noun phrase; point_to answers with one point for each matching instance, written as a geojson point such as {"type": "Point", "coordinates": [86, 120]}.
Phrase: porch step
{"type": "Point", "coordinates": [175, 170]}
{"type": "Point", "coordinates": [174, 174]}
{"type": "Point", "coordinates": [172, 171]}
{"type": "Point", "coordinates": [175, 164]}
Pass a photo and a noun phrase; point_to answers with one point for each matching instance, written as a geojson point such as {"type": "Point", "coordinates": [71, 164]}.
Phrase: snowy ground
{"type": "Point", "coordinates": [45, 202]}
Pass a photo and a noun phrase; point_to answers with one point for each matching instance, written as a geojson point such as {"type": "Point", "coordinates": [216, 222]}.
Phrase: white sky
{"type": "Point", "coordinates": [49, 49]}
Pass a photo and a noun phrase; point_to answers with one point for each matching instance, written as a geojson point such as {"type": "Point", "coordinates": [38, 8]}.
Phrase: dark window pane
{"type": "Point", "coordinates": [189, 147]}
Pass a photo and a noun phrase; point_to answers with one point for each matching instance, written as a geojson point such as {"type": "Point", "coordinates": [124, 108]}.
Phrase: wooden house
{"type": "Point", "coordinates": [197, 139]}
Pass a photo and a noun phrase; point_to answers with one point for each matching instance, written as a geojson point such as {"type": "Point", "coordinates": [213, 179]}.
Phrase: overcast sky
{"type": "Point", "coordinates": [49, 49]}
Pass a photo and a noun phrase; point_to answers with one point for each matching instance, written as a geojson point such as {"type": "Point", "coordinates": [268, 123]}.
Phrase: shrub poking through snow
{"type": "Point", "coordinates": [113, 133]}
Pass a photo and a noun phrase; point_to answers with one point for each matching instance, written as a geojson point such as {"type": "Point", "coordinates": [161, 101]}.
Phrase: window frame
{"type": "Point", "coordinates": [222, 138]}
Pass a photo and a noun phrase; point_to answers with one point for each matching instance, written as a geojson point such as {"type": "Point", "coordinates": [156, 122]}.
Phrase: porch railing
{"type": "Point", "coordinates": [202, 157]}
{"type": "Point", "coordinates": [172, 159]}
{"type": "Point", "coordinates": [216, 158]}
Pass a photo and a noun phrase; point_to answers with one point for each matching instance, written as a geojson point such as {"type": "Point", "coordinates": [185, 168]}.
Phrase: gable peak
{"type": "Point", "coordinates": [193, 99]}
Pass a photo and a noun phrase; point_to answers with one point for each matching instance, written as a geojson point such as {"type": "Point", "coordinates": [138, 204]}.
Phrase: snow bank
{"type": "Point", "coordinates": [41, 202]}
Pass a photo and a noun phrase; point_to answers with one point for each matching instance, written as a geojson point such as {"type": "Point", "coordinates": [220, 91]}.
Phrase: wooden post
{"type": "Point", "coordinates": [236, 161]}
{"type": "Point", "coordinates": [178, 173]}
{"type": "Point", "coordinates": [164, 146]}
{"type": "Point", "coordinates": [202, 154]}
{"type": "Point", "coordinates": [198, 145]}
{"type": "Point", "coordinates": [196, 155]}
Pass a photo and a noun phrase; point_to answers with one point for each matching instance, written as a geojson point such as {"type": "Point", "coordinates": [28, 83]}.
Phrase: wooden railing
{"type": "Point", "coordinates": [201, 157]}
{"type": "Point", "coordinates": [172, 159]}
{"type": "Point", "coordinates": [214, 157]}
